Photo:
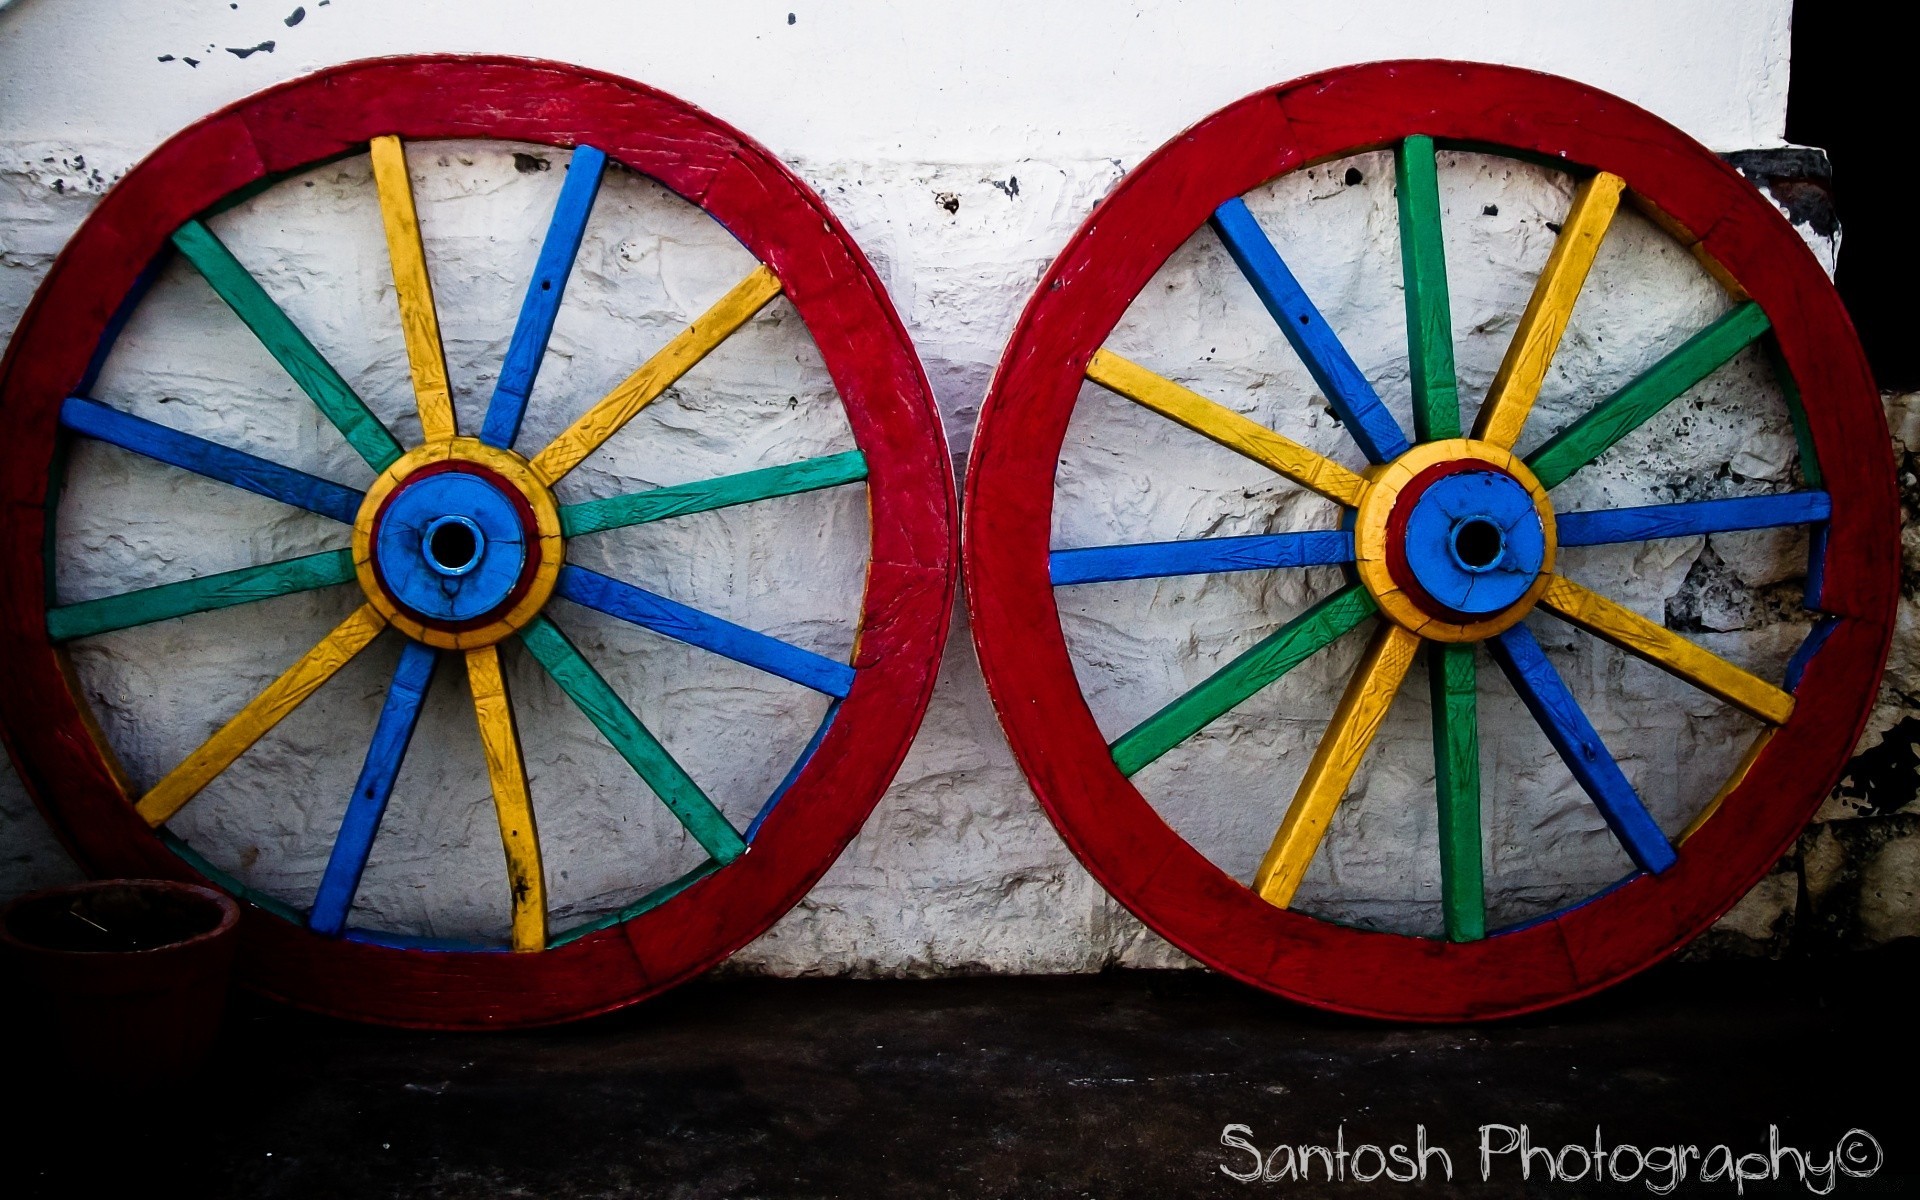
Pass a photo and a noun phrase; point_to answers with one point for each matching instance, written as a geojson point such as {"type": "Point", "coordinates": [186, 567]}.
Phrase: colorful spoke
{"type": "Point", "coordinates": [1363, 708]}
{"type": "Point", "coordinates": [1210, 420]}
{"type": "Point", "coordinates": [643, 752]}
{"type": "Point", "coordinates": [1580, 747]}
{"type": "Point", "coordinates": [1667, 650]}
{"type": "Point", "coordinates": [210, 459]}
{"type": "Point", "coordinates": [1638, 402]}
{"type": "Point", "coordinates": [168, 600]}
{"type": "Point", "coordinates": [1155, 560]}
{"type": "Point", "coordinates": [1517, 384]}
{"type": "Point", "coordinates": [1346, 389]}
{"type": "Point", "coordinates": [594, 516]}
{"type": "Point", "coordinates": [507, 771]}
{"type": "Point", "coordinates": [426, 357]}
{"type": "Point", "coordinates": [354, 842]}
{"type": "Point", "coordinates": [261, 714]}
{"type": "Point", "coordinates": [656, 375]}
{"type": "Point", "coordinates": [1454, 682]}
{"type": "Point", "coordinates": [542, 304]}
{"type": "Point", "coordinates": [1269, 659]}
{"type": "Point", "coordinates": [1605, 526]}
{"type": "Point", "coordinates": [288, 345]}
{"type": "Point", "coordinates": [690, 625]}
{"type": "Point", "coordinates": [1423, 267]}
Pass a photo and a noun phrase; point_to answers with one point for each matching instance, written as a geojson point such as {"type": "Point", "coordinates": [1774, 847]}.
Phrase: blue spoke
{"type": "Point", "coordinates": [708, 632]}
{"type": "Point", "coordinates": [1580, 747]}
{"type": "Point", "coordinates": [354, 842]}
{"type": "Point", "coordinates": [542, 304]}
{"type": "Point", "coordinates": [1155, 560]}
{"type": "Point", "coordinates": [1699, 516]}
{"type": "Point", "coordinates": [1352, 397]}
{"type": "Point", "coordinates": [211, 459]}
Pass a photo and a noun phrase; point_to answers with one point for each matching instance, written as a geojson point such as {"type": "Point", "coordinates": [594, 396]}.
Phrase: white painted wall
{"type": "Point", "coordinates": [871, 81]}
{"type": "Point", "coordinates": [888, 110]}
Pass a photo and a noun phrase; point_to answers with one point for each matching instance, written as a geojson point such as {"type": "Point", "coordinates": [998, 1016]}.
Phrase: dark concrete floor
{"type": "Point", "coordinates": [1108, 1086]}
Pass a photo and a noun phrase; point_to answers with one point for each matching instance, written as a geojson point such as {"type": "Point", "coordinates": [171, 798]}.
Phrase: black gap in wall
{"type": "Point", "coordinates": [1852, 93]}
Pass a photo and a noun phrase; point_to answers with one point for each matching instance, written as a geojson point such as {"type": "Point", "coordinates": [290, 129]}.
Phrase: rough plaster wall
{"type": "Point", "coordinates": [960, 146]}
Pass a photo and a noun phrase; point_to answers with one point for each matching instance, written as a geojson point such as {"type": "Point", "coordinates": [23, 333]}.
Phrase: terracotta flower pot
{"type": "Point", "coordinates": [130, 975]}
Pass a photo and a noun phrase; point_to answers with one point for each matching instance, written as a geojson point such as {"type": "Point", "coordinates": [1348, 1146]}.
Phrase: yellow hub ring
{"type": "Point", "coordinates": [1386, 484]}
{"type": "Point", "coordinates": [507, 466]}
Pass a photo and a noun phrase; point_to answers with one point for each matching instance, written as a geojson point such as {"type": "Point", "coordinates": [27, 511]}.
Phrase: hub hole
{"type": "Point", "coordinates": [452, 546]}
{"type": "Point", "coordinates": [1478, 543]}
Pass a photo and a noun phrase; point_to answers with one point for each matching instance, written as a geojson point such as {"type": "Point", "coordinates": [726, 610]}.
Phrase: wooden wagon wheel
{"type": "Point", "coordinates": [458, 543]}
{"type": "Point", "coordinates": [1447, 539]}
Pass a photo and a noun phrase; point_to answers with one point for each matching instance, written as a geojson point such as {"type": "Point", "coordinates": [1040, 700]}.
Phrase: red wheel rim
{"type": "Point", "coordinates": [866, 351]}
{"type": "Point", "coordinates": [1106, 821]}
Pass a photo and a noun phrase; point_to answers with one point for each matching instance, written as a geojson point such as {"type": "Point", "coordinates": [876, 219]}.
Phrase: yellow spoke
{"type": "Point", "coordinates": [1230, 429]}
{"type": "Point", "coordinates": [507, 771]}
{"type": "Point", "coordinates": [656, 375]}
{"type": "Point", "coordinates": [1667, 650]}
{"type": "Point", "coordinates": [1369, 694]}
{"type": "Point", "coordinates": [418, 320]}
{"type": "Point", "coordinates": [266, 710]}
{"type": "Point", "coordinates": [1517, 384]}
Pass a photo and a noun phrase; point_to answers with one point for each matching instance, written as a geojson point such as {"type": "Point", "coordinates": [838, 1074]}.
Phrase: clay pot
{"type": "Point", "coordinates": [129, 975]}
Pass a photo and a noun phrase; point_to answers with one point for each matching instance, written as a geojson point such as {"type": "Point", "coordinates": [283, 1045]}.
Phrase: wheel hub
{"type": "Point", "coordinates": [458, 544]}
{"type": "Point", "coordinates": [453, 545]}
{"type": "Point", "coordinates": [1473, 543]}
{"type": "Point", "coordinates": [1455, 539]}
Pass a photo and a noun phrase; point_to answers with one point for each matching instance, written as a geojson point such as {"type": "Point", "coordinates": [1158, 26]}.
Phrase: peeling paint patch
{"type": "Point", "coordinates": [1798, 178]}
{"type": "Point", "coordinates": [1886, 777]}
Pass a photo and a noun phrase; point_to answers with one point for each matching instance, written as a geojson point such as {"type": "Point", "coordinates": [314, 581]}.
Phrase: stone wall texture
{"type": "Point", "coordinates": [960, 156]}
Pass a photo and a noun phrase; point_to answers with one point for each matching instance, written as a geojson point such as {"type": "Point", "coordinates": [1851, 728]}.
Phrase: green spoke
{"type": "Point", "coordinates": [277, 332]}
{"type": "Point", "coordinates": [1638, 402]}
{"type": "Point", "coordinates": [90, 617]}
{"type": "Point", "coordinates": [1423, 264]}
{"type": "Point", "coordinates": [1456, 761]}
{"type": "Point", "coordinates": [648, 758]}
{"type": "Point", "coordinates": [594, 516]}
{"type": "Point", "coordinates": [1275, 655]}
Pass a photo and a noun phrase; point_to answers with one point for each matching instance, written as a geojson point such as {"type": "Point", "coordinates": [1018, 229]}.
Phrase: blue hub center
{"type": "Point", "coordinates": [450, 547]}
{"type": "Point", "coordinates": [1474, 542]}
